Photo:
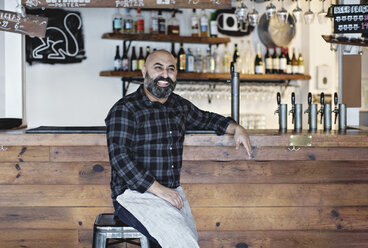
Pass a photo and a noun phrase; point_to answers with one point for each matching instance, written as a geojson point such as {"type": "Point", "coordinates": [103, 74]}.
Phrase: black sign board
{"type": "Point", "coordinates": [350, 18]}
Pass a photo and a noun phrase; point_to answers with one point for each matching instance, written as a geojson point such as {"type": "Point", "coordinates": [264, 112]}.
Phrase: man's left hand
{"type": "Point", "coordinates": [241, 137]}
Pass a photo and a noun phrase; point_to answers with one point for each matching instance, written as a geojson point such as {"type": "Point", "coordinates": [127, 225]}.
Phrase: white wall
{"type": "Point", "coordinates": [75, 94]}
{"type": "Point", "coordinates": [2, 74]}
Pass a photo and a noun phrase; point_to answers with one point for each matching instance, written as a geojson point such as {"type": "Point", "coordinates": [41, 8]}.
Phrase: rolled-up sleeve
{"type": "Point", "coordinates": [203, 120]}
{"type": "Point", "coordinates": [120, 129]}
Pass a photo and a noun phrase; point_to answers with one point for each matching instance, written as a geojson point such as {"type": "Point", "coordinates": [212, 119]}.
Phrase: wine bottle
{"type": "Point", "coordinates": [204, 24]}
{"type": "Point", "coordinates": [288, 61]}
{"type": "Point", "coordinates": [117, 60]}
{"type": "Point", "coordinates": [194, 23]}
{"type": "Point", "coordinates": [161, 23]}
{"type": "Point", "coordinates": [148, 51]}
{"type": "Point", "coordinates": [283, 62]}
{"type": "Point", "coordinates": [133, 60]}
{"type": "Point", "coordinates": [294, 64]}
{"type": "Point", "coordinates": [300, 63]}
{"type": "Point", "coordinates": [275, 61]}
{"type": "Point", "coordinates": [226, 60]}
{"type": "Point", "coordinates": [141, 59]}
{"type": "Point", "coordinates": [181, 58]}
{"type": "Point", "coordinates": [117, 22]}
{"type": "Point", "coordinates": [189, 63]}
{"type": "Point", "coordinates": [268, 61]}
{"type": "Point", "coordinates": [258, 62]}
{"type": "Point", "coordinates": [125, 59]}
{"type": "Point", "coordinates": [173, 49]}
{"type": "Point", "coordinates": [173, 25]}
{"type": "Point", "coordinates": [139, 22]}
{"type": "Point", "coordinates": [213, 25]}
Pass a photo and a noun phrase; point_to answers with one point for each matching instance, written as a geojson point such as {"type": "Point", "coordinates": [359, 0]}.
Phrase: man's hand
{"type": "Point", "coordinates": [241, 137]}
{"type": "Point", "coordinates": [167, 194]}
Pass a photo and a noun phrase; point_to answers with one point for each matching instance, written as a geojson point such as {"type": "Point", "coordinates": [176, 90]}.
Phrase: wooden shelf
{"type": "Point", "coordinates": [329, 39]}
{"type": "Point", "coordinates": [212, 76]}
{"type": "Point", "coordinates": [166, 38]}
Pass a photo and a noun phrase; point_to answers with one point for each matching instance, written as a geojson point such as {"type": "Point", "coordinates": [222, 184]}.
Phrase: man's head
{"type": "Point", "coordinates": [159, 74]}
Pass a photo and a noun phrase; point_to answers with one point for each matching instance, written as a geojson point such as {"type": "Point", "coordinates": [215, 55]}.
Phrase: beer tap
{"type": "Point", "coordinates": [278, 99]}
{"type": "Point", "coordinates": [308, 110]}
{"type": "Point", "coordinates": [292, 111]}
{"type": "Point", "coordinates": [336, 110]}
{"type": "Point", "coordinates": [322, 110]}
{"type": "Point", "coordinates": [341, 112]}
{"type": "Point", "coordinates": [282, 112]}
{"type": "Point", "coordinates": [312, 114]}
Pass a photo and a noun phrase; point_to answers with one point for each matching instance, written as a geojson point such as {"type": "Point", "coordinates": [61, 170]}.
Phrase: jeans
{"type": "Point", "coordinates": [126, 217]}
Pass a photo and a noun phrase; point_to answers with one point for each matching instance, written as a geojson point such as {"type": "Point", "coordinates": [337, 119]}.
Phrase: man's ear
{"type": "Point", "coordinates": [143, 70]}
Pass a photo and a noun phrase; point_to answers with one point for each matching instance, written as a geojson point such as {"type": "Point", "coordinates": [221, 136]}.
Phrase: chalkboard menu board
{"type": "Point", "coordinates": [63, 42]}
{"type": "Point", "coordinates": [350, 18]}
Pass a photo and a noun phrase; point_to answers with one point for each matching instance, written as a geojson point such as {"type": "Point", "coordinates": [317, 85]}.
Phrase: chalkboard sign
{"type": "Point", "coordinates": [63, 42]}
{"type": "Point", "coordinates": [199, 4]}
{"type": "Point", "coordinates": [350, 18]}
{"type": "Point", "coordinates": [16, 23]}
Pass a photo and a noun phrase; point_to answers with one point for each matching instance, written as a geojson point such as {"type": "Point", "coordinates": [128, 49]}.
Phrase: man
{"type": "Point", "coordinates": [145, 135]}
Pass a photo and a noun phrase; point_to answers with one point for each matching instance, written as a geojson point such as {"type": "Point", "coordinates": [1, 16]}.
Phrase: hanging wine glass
{"type": "Point", "coordinates": [322, 14]}
{"type": "Point", "coordinates": [270, 10]}
{"type": "Point", "coordinates": [253, 16]}
{"type": "Point", "coordinates": [282, 14]}
{"type": "Point", "coordinates": [241, 11]}
{"type": "Point", "coordinates": [309, 15]}
{"type": "Point", "coordinates": [297, 12]}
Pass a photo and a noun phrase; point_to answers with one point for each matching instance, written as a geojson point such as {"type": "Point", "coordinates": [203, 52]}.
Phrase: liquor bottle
{"type": "Point", "coordinates": [242, 60]}
{"type": "Point", "coordinates": [213, 25]}
{"type": "Point", "coordinates": [300, 63]}
{"type": "Point", "coordinates": [258, 62]}
{"type": "Point", "coordinates": [283, 62]}
{"type": "Point", "coordinates": [294, 64]}
{"type": "Point", "coordinates": [288, 61]}
{"type": "Point", "coordinates": [236, 53]}
{"type": "Point", "coordinates": [209, 62]}
{"type": "Point", "coordinates": [117, 60]}
{"type": "Point", "coordinates": [203, 24]}
{"type": "Point", "coordinates": [133, 61]}
{"type": "Point", "coordinates": [226, 60]}
{"type": "Point", "coordinates": [275, 61]}
{"type": "Point", "coordinates": [268, 61]}
{"type": "Point", "coordinates": [148, 51]}
{"type": "Point", "coordinates": [173, 25]}
{"type": "Point", "coordinates": [194, 23]}
{"type": "Point", "coordinates": [161, 23]}
{"type": "Point", "coordinates": [154, 23]}
{"type": "Point", "coordinates": [198, 61]}
{"type": "Point", "coordinates": [141, 59]}
{"type": "Point", "coordinates": [216, 60]}
{"type": "Point", "coordinates": [250, 58]}
{"type": "Point", "coordinates": [125, 59]}
{"type": "Point", "coordinates": [128, 22]}
{"type": "Point", "coordinates": [117, 22]}
{"type": "Point", "coordinates": [181, 58]}
{"type": "Point", "coordinates": [139, 27]}
{"type": "Point", "coordinates": [189, 63]}
{"type": "Point", "coordinates": [173, 49]}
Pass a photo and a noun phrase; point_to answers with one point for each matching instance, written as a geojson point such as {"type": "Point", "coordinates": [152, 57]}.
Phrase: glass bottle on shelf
{"type": "Point", "coordinates": [209, 62]}
{"type": "Point", "coordinates": [294, 64]}
{"type": "Point", "coordinates": [288, 61]}
{"type": "Point", "coordinates": [268, 61]}
{"type": "Point", "coordinates": [133, 61]}
{"type": "Point", "coordinates": [300, 63]}
{"type": "Point", "coordinates": [125, 59]}
{"type": "Point", "coordinates": [213, 25]}
{"type": "Point", "coordinates": [141, 59]}
{"type": "Point", "coordinates": [189, 64]}
{"type": "Point", "coordinates": [139, 26]}
{"type": "Point", "coordinates": [194, 23]}
{"type": "Point", "coordinates": [275, 61]}
{"type": "Point", "coordinates": [203, 24]}
{"type": "Point", "coordinates": [117, 60]}
{"type": "Point", "coordinates": [154, 23]}
{"type": "Point", "coordinates": [242, 60]}
{"type": "Point", "coordinates": [216, 60]}
{"type": "Point", "coordinates": [128, 22]}
{"type": "Point", "coordinates": [283, 61]}
{"type": "Point", "coordinates": [117, 22]}
{"type": "Point", "coordinates": [173, 25]}
{"type": "Point", "coordinates": [148, 51]}
{"type": "Point", "coordinates": [258, 62]}
{"type": "Point", "coordinates": [181, 58]}
{"type": "Point", "coordinates": [250, 58]}
{"type": "Point", "coordinates": [198, 61]}
{"type": "Point", "coordinates": [226, 59]}
{"type": "Point", "coordinates": [161, 23]}
{"type": "Point", "coordinates": [173, 49]}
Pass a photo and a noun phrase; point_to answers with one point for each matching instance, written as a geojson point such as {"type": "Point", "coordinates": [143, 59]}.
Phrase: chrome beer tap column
{"type": "Point", "coordinates": [312, 114]}
{"type": "Point", "coordinates": [296, 111]}
{"type": "Point", "coordinates": [325, 114]}
{"type": "Point", "coordinates": [341, 112]}
{"type": "Point", "coordinates": [282, 112]}
{"type": "Point", "coordinates": [235, 89]}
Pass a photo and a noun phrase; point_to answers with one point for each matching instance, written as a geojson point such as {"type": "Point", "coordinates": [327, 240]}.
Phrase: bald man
{"type": "Point", "coordinates": [145, 135]}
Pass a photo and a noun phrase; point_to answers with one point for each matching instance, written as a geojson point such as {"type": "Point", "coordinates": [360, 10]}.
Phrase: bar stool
{"type": "Point", "coordinates": [107, 226]}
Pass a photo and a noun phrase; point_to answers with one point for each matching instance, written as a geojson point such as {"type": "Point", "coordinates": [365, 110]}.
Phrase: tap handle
{"type": "Point", "coordinates": [278, 97]}
{"type": "Point", "coordinates": [293, 98]}
{"type": "Point", "coordinates": [232, 67]}
{"type": "Point", "coordinates": [322, 98]}
{"type": "Point", "coordinates": [336, 99]}
{"type": "Point", "coordinates": [309, 98]}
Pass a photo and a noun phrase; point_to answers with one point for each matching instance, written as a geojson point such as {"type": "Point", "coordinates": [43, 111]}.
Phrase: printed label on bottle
{"type": "Point", "coordinates": [117, 23]}
{"type": "Point", "coordinates": [195, 25]}
{"type": "Point", "coordinates": [288, 69]}
{"type": "Point", "coordinates": [190, 64]}
{"type": "Point", "coordinates": [301, 69]}
{"type": "Point", "coordinates": [117, 64]}
{"type": "Point", "coordinates": [182, 62]}
{"type": "Point", "coordinates": [276, 64]}
{"type": "Point", "coordinates": [125, 65]}
{"type": "Point", "coordinates": [259, 69]}
{"type": "Point", "coordinates": [213, 28]}
{"type": "Point", "coordinates": [268, 62]}
{"type": "Point", "coordinates": [154, 25]}
{"type": "Point", "coordinates": [295, 69]}
{"type": "Point", "coordinates": [140, 25]}
{"type": "Point", "coordinates": [204, 24]}
{"type": "Point", "coordinates": [134, 65]}
{"type": "Point", "coordinates": [283, 64]}
{"type": "Point", "coordinates": [128, 25]}
{"type": "Point", "coordinates": [140, 63]}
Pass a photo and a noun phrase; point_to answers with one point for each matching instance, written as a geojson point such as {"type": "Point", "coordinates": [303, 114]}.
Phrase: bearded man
{"type": "Point", "coordinates": [145, 135]}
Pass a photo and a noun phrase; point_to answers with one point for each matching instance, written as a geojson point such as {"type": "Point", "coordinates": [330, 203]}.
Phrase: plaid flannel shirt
{"type": "Point", "coordinates": [145, 139]}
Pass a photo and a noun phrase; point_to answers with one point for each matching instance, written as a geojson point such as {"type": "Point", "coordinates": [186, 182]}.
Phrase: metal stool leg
{"type": "Point", "coordinates": [100, 240]}
{"type": "Point", "coordinates": [144, 242]}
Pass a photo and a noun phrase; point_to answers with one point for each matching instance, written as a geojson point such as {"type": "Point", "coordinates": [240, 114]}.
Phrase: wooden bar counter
{"type": "Point", "coordinates": [298, 190]}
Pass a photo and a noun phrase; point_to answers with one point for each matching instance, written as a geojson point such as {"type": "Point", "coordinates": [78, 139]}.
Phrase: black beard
{"type": "Point", "coordinates": [157, 91]}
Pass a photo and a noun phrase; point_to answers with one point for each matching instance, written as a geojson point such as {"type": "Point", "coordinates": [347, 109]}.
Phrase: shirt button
{"type": "Point", "coordinates": [172, 166]}
{"type": "Point", "coordinates": [170, 148]}
{"type": "Point", "coordinates": [170, 132]}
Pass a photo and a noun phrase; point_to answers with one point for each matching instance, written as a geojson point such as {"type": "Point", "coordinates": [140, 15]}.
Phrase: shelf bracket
{"type": "Point", "coordinates": [124, 86]}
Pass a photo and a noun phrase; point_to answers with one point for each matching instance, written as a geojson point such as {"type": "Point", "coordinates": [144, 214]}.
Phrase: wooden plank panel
{"type": "Point", "coordinates": [24, 154]}
{"type": "Point", "coordinates": [199, 195]}
{"type": "Point", "coordinates": [274, 171]}
{"type": "Point", "coordinates": [79, 154]}
{"type": "Point", "coordinates": [38, 238]}
{"type": "Point", "coordinates": [50, 217]}
{"type": "Point", "coordinates": [281, 218]}
{"type": "Point", "coordinates": [55, 173]}
{"type": "Point", "coordinates": [275, 153]}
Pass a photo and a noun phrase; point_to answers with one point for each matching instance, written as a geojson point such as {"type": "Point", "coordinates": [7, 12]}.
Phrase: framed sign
{"type": "Point", "coordinates": [16, 23]}
{"type": "Point", "coordinates": [199, 4]}
{"type": "Point", "coordinates": [350, 18]}
{"type": "Point", "coordinates": [63, 42]}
